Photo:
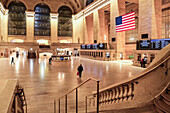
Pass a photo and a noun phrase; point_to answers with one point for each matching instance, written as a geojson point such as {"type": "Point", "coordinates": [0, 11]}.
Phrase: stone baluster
{"type": "Point", "coordinates": [117, 94]}
{"type": "Point", "coordinates": [130, 90]}
{"type": "Point", "coordinates": [110, 96]}
{"type": "Point", "coordinates": [125, 91]}
{"type": "Point", "coordinates": [100, 98]}
{"type": "Point", "coordinates": [121, 92]}
{"type": "Point", "coordinates": [114, 95]}
{"type": "Point", "coordinates": [107, 97]}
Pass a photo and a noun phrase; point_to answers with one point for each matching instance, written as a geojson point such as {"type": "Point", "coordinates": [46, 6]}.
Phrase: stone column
{"type": "Point", "coordinates": [150, 18]}
{"type": "Point", "coordinates": [89, 27]}
{"type": "Point", "coordinates": [103, 27]}
{"type": "Point", "coordinates": [96, 27]}
{"type": "Point", "coordinates": [117, 8]}
{"type": "Point", "coordinates": [74, 29]}
{"type": "Point", "coordinates": [0, 26]}
{"type": "Point", "coordinates": [30, 26]}
{"type": "Point", "coordinates": [5, 26]}
{"type": "Point", "coordinates": [54, 27]}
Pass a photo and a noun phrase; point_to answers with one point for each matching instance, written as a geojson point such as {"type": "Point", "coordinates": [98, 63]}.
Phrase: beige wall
{"type": "Point", "coordinates": [150, 18]}
{"type": "Point", "coordinates": [78, 30]}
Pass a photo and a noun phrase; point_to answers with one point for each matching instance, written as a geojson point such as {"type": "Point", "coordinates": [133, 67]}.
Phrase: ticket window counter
{"type": "Point", "coordinates": [102, 55]}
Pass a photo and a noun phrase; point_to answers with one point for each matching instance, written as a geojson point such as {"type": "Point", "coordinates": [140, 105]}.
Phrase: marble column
{"type": "Point", "coordinates": [150, 18]}
{"type": "Point", "coordinates": [78, 30]}
{"type": "Point", "coordinates": [54, 27]}
{"type": "Point", "coordinates": [103, 27]}
{"type": "Point", "coordinates": [1, 37]}
{"type": "Point", "coordinates": [96, 27]}
{"type": "Point", "coordinates": [4, 27]}
{"type": "Point", "coordinates": [89, 27]}
{"type": "Point", "coordinates": [30, 25]}
{"type": "Point", "coordinates": [117, 8]}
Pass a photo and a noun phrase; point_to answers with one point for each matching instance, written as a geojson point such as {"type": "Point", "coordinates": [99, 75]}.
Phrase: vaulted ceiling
{"type": "Point", "coordinates": [75, 5]}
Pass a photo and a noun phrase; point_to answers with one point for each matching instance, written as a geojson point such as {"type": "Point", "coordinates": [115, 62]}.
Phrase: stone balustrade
{"type": "Point", "coordinates": [123, 92]}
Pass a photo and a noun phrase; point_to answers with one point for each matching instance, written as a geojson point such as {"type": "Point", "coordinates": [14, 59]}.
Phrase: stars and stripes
{"type": "Point", "coordinates": [125, 22]}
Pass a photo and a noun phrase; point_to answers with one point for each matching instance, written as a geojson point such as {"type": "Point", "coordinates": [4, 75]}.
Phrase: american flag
{"type": "Point", "coordinates": [125, 22]}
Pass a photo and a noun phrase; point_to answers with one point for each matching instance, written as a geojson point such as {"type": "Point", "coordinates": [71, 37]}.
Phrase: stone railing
{"type": "Point", "coordinates": [137, 91]}
{"type": "Point", "coordinates": [123, 92]}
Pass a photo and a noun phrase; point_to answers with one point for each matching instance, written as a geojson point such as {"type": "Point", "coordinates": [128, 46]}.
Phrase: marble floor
{"type": "Point", "coordinates": [43, 83]}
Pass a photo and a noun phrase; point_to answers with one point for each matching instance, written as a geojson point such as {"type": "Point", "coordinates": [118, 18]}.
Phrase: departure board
{"type": "Point", "coordinates": [157, 44]}
{"type": "Point", "coordinates": [144, 44]}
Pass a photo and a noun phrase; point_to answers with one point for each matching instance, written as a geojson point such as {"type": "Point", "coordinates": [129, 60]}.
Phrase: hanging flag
{"type": "Point", "coordinates": [125, 22]}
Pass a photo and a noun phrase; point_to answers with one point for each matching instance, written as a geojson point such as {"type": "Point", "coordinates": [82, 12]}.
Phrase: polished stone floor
{"type": "Point", "coordinates": [43, 83]}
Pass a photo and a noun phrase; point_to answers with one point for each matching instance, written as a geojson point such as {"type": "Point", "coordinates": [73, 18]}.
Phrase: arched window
{"type": "Point", "coordinates": [16, 19]}
{"type": "Point", "coordinates": [89, 2]}
{"type": "Point", "coordinates": [65, 21]}
{"type": "Point", "coordinates": [42, 20]}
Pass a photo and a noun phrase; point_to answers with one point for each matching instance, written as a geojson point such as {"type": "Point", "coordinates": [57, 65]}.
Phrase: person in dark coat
{"type": "Point", "coordinates": [80, 69]}
{"type": "Point", "coordinates": [50, 59]}
{"type": "Point", "coordinates": [12, 61]}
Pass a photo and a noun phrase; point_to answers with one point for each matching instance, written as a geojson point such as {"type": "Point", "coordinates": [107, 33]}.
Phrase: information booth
{"type": "Point", "coordinates": [61, 60]}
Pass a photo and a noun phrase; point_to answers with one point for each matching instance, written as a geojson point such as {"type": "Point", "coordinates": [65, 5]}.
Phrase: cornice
{"type": "Point", "coordinates": [91, 8]}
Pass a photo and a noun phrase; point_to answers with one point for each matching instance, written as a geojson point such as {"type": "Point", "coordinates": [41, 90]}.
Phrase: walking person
{"type": "Point", "coordinates": [144, 62]}
{"type": "Point", "coordinates": [80, 69]}
{"type": "Point", "coordinates": [12, 61]}
{"type": "Point", "coordinates": [141, 62]}
{"type": "Point", "coordinates": [50, 59]}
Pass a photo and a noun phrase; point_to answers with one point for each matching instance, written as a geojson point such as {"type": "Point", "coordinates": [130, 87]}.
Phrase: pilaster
{"type": "Point", "coordinates": [117, 8]}
{"type": "Point", "coordinates": [150, 19]}
{"type": "Point", "coordinates": [5, 26]}
{"type": "Point", "coordinates": [54, 27]}
{"type": "Point", "coordinates": [30, 25]}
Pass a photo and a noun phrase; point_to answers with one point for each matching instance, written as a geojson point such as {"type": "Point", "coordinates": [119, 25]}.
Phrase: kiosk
{"type": "Point", "coordinates": [61, 60]}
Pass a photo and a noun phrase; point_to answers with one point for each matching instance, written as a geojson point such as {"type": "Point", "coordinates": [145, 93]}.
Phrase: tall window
{"type": "Point", "coordinates": [42, 20]}
{"type": "Point", "coordinates": [89, 2]}
{"type": "Point", "coordinates": [16, 19]}
{"type": "Point", "coordinates": [132, 35]}
{"type": "Point", "coordinates": [166, 23]}
{"type": "Point", "coordinates": [65, 21]}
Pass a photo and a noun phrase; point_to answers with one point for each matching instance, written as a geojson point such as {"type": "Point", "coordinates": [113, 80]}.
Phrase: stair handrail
{"type": "Point", "coordinates": [91, 78]}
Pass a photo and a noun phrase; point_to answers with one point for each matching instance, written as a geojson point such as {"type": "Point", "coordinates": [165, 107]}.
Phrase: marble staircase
{"type": "Point", "coordinates": [162, 103]}
{"type": "Point", "coordinates": [147, 92]}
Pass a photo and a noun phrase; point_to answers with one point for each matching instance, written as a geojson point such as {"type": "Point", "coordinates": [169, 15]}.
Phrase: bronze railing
{"type": "Point", "coordinates": [65, 96]}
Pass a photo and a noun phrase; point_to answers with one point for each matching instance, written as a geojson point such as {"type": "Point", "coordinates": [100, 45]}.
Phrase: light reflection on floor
{"type": "Point", "coordinates": [43, 83]}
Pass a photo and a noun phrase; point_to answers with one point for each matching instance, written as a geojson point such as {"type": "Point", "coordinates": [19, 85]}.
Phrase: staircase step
{"type": "Point", "coordinates": [158, 110]}
{"type": "Point", "coordinates": [166, 96]}
{"type": "Point", "coordinates": [164, 106]}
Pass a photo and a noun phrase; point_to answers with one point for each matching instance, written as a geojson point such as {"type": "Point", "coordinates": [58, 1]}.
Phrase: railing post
{"type": "Point", "coordinates": [76, 100]}
{"type": "Point", "coordinates": [97, 96]}
{"type": "Point", "coordinates": [59, 106]}
{"type": "Point", "coordinates": [66, 104]}
{"type": "Point", "coordinates": [86, 104]}
{"type": "Point", "coordinates": [54, 106]}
